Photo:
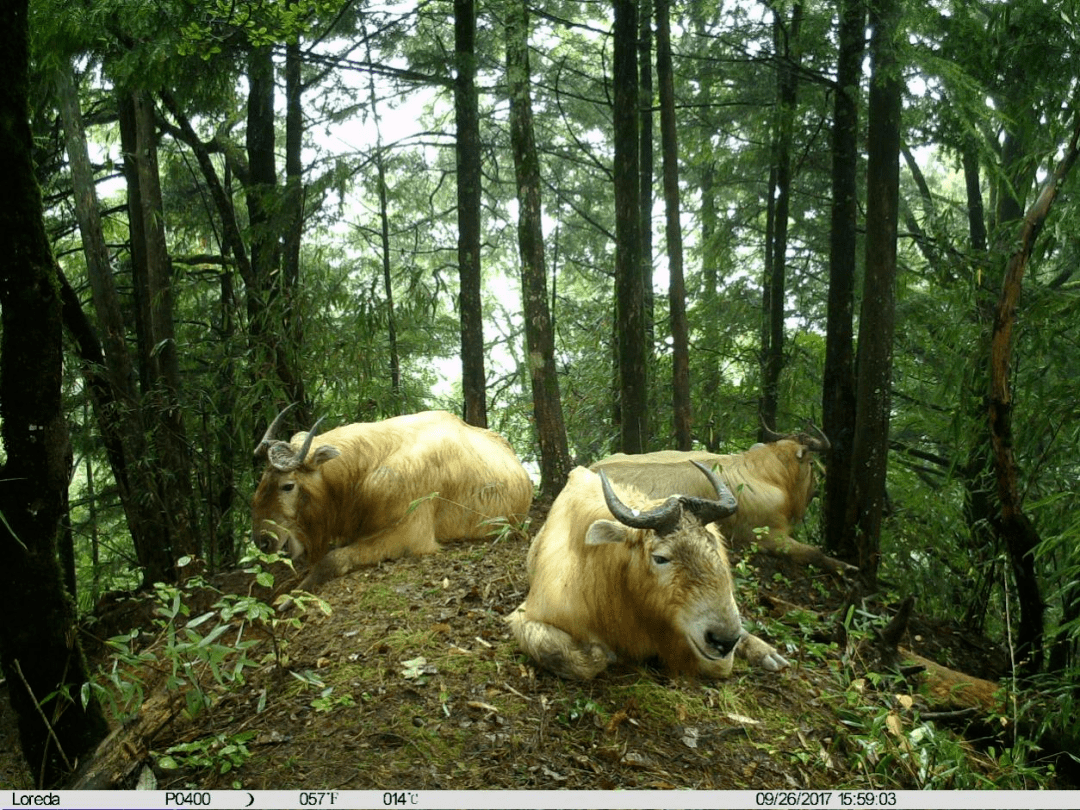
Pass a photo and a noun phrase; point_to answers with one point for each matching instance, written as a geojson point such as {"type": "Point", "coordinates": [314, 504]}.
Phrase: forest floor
{"type": "Point", "coordinates": [412, 682]}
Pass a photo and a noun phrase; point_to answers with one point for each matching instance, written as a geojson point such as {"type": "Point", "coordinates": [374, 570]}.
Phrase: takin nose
{"type": "Point", "coordinates": [263, 539]}
{"type": "Point", "coordinates": [723, 644]}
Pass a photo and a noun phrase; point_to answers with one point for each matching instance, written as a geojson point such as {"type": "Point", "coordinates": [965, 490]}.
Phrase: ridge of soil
{"type": "Point", "coordinates": [414, 682]}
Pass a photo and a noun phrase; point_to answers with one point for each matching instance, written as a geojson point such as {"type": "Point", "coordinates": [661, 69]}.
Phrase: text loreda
{"type": "Point", "coordinates": [35, 799]}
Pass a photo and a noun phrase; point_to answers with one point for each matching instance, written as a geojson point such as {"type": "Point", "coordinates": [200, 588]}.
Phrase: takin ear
{"type": "Point", "coordinates": [323, 454]}
{"type": "Point", "coordinates": [605, 531]}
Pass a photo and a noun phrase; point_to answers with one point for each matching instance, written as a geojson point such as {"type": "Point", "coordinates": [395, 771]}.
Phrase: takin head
{"type": "Point", "coordinates": [285, 489]}
{"type": "Point", "coordinates": [679, 588]}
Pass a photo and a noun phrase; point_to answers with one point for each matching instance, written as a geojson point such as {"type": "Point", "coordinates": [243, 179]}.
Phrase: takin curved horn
{"type": "Point", "coordinates": [261, 450]}
{"type": "Point", "coordinates": [662, 519]}
{"type": "Point", "coordinates": [708, 510]}
{"type": "Point", "coordinates": [307, 441]}
{"type": "Point", "coordinates": [768, 433]}
{"type": "Point", "coordinates": [816, 440]}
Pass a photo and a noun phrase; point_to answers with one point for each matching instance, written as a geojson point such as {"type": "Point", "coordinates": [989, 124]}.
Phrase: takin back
{"type": "Point", "coordinates": [772, 482]}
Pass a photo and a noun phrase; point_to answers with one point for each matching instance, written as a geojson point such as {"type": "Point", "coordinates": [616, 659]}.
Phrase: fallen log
{"type": "Point", "coordinates": [118, 756]}
{"type": "Point", "coordinates": [952, 690]}
{"type": "Point", "coordinates": [947, 689]}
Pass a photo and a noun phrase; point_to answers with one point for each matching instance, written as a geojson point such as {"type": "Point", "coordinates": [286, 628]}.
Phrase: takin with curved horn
{"type": "Point", "coordinates": [372, 491]}
{"type": "Point", "coordinates": [617, 576]}
{"type": "Point", "coordinates": [773, 483]}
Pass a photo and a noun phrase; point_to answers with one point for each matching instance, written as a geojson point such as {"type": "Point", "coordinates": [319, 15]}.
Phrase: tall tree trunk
{"type": "Point", "coordinates": [838, 391]}
{"type": "Point", "coordinates": [153, 286]}
{"type": "Point", "coordinates": [1010, 184]}
{"type": "Point", "coordinates": [646, 162]}
{"type": "Point", "coordinates": [680, 329]}
{"type": "Point", "coordinates": [160, 558]}
{"type": "Point", "coordinates": [1015, 528]}
{"type": "Point", "coordinates": [261, 188]}
{"type": "Point", "coordinates": [870, 448]}
{"type": "Point", "coordinates": [293, 203]}
{"type": "Point", "coordinates": [786, 50]}
{"type": "Point", "coordinates": [631, 341]}
{"type": "Point", "coordinates": [39, 650]}
{"type": "Point", "coordinates": [116, 400]}
{"type": "Point", "coordinates": [267, 296]}
{"type": "Point", "coordinates": [384, 236]}
{"type": "Point", "coordinates": [225, 548]}
{"type": "Point", "coordinates": [539, 330]}
{"type": "Point", "coordinates": [980, 509]}
{"type": "Point", "coordinates": [973, 191]}
{"type": "Point", "coordinates": [707, 350]}
{"type": "Point", "coordinates": [388, 286]}
{"type": "Point", "coordinates": [467, 116]}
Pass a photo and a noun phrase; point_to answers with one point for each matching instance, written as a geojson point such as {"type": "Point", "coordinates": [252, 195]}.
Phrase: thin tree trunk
{"type": "Point", "coordinates": [680, 329]}
{"type": "Point", "coordinates": [646, 162]}
{"type": "Point", "coordinates": [39, 650]}
{"type": "Point", "coordinates": [153, 284]}
{"type": "Point", "coordinates": [1010, 184]}
{"type": "Point", "coordinates": [1014, 527]}
{"type": "Point", "coordinates": [467, 116]}
{"type": "Point", "coordinates": [92, 518]}
{"type": "Point", "coordinates": [128, 408]}
{"type": "Point", "coordinates": [786, 49]}
{"type": "Point", "coordinates": [767, 402]}
{"type": "Point", "coordinates": [631, 340]}
{"type": "Point", "coordinates": [260, 188]}
{"type": "Point", "coordinates": [973, 189]}
{"type": "Point", "coordinates": [388, 286]}
{"type": "Point", "coordinates": [267, 294]}
{"type": "Point", "coordinates": [116, 400]}
{"type": "Point", "coordinates": [293, 202]}
{"type": "Point", "coordinates": [539, 331]}
{"type": "Point", "coordinates": [877, 315]}
{"type": "Point", "coordinates": [980, 510]}
{"type": "Point", "coordinates": [224, 546]}
{"type": "Point", "coordinates": [707, 351]}
{"type": "Point", "coordinates": [384, 234]}
{"type": "Point", "coordinates": [838, 394]}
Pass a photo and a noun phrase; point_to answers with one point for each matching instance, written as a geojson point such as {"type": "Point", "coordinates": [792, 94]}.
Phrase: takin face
{"type": "Point", "coordinates": [286, 484]}
{"type": "Point", "coordinates": [652, 583]}
{"type": "Point", "coordinates": [773, 483]}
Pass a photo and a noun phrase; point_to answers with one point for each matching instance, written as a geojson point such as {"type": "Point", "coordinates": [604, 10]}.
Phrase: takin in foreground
{"type": "Point", "coordinates": [772, 482]}
{"type": "Point", "coordinates": [374, 491]}
{"type": "Point", "coordinates": [617, 576]}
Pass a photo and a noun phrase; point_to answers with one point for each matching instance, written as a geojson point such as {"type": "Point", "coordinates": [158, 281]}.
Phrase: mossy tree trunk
{"type": "Point", "coordinates": [40, 659]}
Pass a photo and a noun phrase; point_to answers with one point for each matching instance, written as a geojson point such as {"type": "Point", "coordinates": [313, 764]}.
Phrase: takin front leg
{"type": "Point", "coordinates": [556, 650]}
{"type": "Point", "coordinates": [759, 653]}
{"type": "Point", "coordinates": [414, 536]}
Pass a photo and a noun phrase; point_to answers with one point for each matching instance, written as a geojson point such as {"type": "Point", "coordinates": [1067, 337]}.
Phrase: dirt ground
{"type": "Point", "coordinates": [413, 682]}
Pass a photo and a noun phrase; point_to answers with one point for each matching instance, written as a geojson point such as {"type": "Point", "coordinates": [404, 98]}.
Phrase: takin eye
{"type": "Point", "coordinates": [660, 559]}
{"type": "Point", "coordinates": [288, 486]}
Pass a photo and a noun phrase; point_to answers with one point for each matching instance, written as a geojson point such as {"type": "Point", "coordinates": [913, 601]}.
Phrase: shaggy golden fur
{"type": "Point", "coordinates": [393, 487]}
{"type": "Point", "coordinates": [600, 591]}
